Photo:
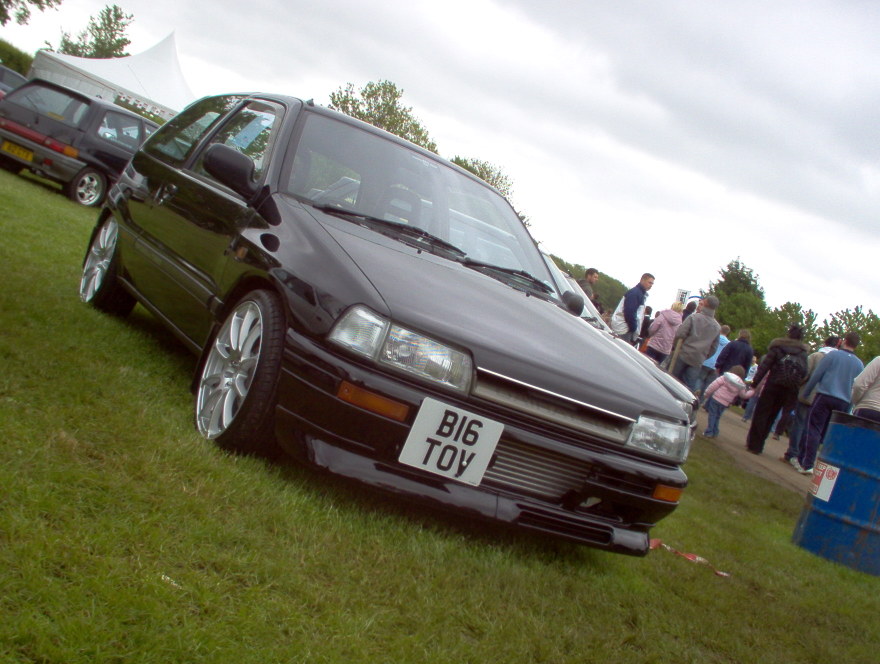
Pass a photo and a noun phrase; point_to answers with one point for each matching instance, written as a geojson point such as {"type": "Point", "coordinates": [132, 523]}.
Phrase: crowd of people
{"type": "Point", "coordinates": [791, 389]}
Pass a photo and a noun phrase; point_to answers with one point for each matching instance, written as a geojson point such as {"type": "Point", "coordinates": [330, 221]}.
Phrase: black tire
{"type": "Point", "coordinates": [99, 285]}
{"type": "Point", "coordinates": [88, 187]}
{"type": "Point", "coordinates": [236, 391]}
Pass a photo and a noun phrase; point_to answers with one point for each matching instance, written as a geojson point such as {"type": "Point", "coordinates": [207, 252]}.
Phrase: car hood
{"type": "Point", "coordinates": [508, 332]}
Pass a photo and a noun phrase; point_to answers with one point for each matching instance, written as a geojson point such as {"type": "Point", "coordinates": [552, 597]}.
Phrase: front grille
{"type": "Point", "coordinates": [551, 475]}
{"type": "Point", "coordinates": [534, 471]}
{"type": "Point", "coordinates": [546, 474]}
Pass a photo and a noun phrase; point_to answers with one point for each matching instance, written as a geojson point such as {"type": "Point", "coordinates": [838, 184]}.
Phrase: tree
{"type": "Point", "coordinates": [740, 297]}
{"type": "Point", "coordinates": [744, 310]}
{"type": "Point", "coordinates": [609, 291]}
{"type": "Point", "coordinates": [103, 38]}
{"type": "Point", "coordinates": [775, 323]}
{"type": "Point", "coordinates": [488, 173]}
{"type": "Point", "coordinates": [15, 58]}
{"type": "Point", "coordinates": [378, 103]}
{"type": "Point", "coordinates": [21, 9]}
{"type": "Point", "coordinates": [736, 278]}
{"type": "Point", "coordinates": [856, 320]}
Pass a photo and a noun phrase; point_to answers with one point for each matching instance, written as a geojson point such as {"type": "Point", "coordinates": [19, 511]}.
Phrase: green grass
{"type": "Point", "coordinates": [124, 537]}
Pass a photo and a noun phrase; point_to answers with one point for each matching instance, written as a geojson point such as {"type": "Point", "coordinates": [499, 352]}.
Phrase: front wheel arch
{"type": "Point", "coordinates": [99, 281]}
{"type": "Point", "coordinates": [236, 384]}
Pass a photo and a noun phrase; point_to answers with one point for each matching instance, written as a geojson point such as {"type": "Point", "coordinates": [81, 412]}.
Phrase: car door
{"type": "Point", "coordinates": [186, 221]}
{"type": "Point", "coordinates": [111, 140]}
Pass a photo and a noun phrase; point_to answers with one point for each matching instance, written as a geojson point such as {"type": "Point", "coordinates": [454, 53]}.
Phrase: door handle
{"type": "Point", "coordinates": [165, 193]}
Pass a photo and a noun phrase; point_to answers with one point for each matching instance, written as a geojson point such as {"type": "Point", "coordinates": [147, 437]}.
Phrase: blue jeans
{"type": "Point", "coordinates": [817, 423]}
{"type": "Point", "coordinates": [750, 408]}
{"type": "Point", "coordinates": [715, 409]}
{"type": "Point", "coordinates": [707, 375]}
{"type": "Point", "coordinates": [796, 433]}
{"type": "Point", "coordinates": [688, 375]}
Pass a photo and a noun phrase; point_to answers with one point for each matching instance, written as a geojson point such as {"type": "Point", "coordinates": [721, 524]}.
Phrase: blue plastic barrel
{"type": "Point", "coordinates": [841, 518]}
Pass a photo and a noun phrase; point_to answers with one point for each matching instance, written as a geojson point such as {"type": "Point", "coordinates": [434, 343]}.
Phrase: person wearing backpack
{"type": "Point", "coordinates": [805, 400]}
{"type": "Point", "coordinates": [784, 368]}
{"type": "Point", "coordinates": [833, 381]}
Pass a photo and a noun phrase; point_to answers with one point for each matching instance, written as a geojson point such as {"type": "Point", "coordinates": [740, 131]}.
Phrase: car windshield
{"type": "Point", "coordinates": [337, 165]}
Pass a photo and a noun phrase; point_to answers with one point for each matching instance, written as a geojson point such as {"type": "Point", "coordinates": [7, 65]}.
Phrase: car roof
{"type": "Point", "coordinates": [94, 101]}
{"type": "Point", "coordinates": [289, 100]}
{"type": "Point", "coordinates": [15, 75]}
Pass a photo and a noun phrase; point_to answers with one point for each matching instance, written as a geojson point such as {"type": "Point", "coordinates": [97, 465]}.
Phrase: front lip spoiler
{"type": "Point", "coordinates": [466, 501]}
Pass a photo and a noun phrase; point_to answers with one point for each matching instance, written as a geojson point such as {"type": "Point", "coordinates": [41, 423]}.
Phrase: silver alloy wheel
{"type": "Point", "coordinates": [229, 370]}
{"type": "Point", "coordinates": [89, 188]}
{"type": "Point", "coordinates": [97, 261]}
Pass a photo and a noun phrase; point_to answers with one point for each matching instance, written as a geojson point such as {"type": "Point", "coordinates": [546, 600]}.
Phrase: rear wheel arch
{"type": "Point", "coordinates": [88, 187]}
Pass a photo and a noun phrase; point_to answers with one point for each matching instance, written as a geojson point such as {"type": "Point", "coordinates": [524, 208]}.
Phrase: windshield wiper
{"type": "Point", "coordinates": [422, 239]}
{"type": "Point", "coordinates": [413, 235]}
{"type": "Point", "coordinates": [518, 275]}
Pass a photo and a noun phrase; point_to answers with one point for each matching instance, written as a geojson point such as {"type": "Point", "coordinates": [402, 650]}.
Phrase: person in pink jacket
{"type": "Point", "coordinates": [721, 393]}
{"type": "Point", "coordinates": [661, 331]}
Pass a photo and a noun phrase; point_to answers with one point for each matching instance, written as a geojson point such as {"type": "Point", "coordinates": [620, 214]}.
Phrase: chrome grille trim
{"type": "Point", "coordinates": [551, 407]}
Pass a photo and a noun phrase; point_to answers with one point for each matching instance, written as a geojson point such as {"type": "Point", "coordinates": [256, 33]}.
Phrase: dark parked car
{"type": "Point", "coordinates": [9, 80]}
{"type": "Point", "coordinates": [383, 315]}
{"type": "Point", "coordinates": [63, 135]}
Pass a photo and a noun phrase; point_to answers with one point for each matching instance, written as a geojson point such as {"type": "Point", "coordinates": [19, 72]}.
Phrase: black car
{"type": "Point", "coordinates": [81, 142]}
{"type": "Point", "coordinates": [9, 80]}
{"type": "Point", "coordinates": [384, 315]}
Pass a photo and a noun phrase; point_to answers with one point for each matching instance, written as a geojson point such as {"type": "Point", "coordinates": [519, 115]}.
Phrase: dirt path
{"type": "Point", "coordinates": [732, 439]}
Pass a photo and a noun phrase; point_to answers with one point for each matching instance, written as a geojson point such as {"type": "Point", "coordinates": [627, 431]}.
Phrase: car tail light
{"type": "Point", "coordinates": [63, 148]}
{"type": "Point", "coordinates": [37, 137]}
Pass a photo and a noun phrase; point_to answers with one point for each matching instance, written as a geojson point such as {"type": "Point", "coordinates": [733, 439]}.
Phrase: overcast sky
{"type": "Point", "coordinates": [668, 137]}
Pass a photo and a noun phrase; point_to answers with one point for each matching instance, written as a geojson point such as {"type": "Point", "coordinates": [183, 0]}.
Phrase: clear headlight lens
{"type": "Point", "coordinates": [361, 331]}
{"type": "Point", "coordinates": [366, 333]}
{"type": "Point", "coordinates": [658, 437]}
{"type": "Point", "coordinates": [688, 408]}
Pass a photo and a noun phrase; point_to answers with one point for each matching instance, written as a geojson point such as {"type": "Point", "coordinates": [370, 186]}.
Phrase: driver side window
{"type": "Point", "coordinates": [250, 132]}
{"type": "Point", "coordinates": [176, 140]}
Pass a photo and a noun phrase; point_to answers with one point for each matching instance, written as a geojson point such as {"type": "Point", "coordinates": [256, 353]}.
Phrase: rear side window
{"type": "Point", "coordinates": [175, 141]}
{"type": "Point", "coordinates": [51, 102]}
{"type": "Point", "coordinates": [121, 129]}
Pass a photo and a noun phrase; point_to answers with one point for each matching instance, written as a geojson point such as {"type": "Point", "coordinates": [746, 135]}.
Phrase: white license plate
{"type": "Point", "coordinates": [451, 442]}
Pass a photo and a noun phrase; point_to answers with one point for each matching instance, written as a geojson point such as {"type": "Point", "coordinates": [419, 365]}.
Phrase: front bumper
{"type": "Point", "coordinates": [541, 478]}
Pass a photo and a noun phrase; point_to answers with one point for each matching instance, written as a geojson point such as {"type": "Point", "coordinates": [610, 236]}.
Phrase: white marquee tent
{"type": "Point", "coordinates": [152, 80]}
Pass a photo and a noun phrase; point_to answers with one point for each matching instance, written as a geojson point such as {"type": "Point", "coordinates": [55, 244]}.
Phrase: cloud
{"type": "Point", "coordinates": [671, 137]}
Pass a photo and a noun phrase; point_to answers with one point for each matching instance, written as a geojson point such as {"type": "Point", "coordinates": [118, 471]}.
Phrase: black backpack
{"type": "Point", "coordinates": [791, 370]}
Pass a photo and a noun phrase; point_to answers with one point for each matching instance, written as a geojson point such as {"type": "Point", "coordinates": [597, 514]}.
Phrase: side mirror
{"type": "Point", "coordinates": [574, 302]}
{"type": "Point", "coordinates": [232, 168]}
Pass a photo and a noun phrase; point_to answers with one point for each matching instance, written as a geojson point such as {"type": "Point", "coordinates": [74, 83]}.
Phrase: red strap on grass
{"type": "Point", "coordinates": [693, 557]}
